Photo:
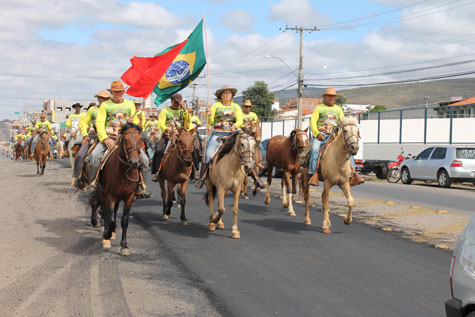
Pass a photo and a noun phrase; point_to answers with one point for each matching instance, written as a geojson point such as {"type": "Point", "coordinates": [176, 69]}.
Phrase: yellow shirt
{"type": "Point", "coordinates": [113, 114]}
{"type": "Point", "coordinates": [74, 117]}
{"type": "Point", "coordinates": [86, 121]}
{"type": "Point", "coordinates": [220, 113]}
{"type": "Point", "coordinates": [324, 118]}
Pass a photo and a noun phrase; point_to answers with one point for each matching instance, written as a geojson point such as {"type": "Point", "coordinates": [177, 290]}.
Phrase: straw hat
{"type": "Point", "coordinates": [137, 101]}
{"type": "Point", "coordinates": [43, 115]}
{"type": "Point", "coordinates": [117, 86]}
{"type": "Point", "coordinates": [330, 91]}
{"type": "Point", "coordinates": [153, 114]}
{"type": "Point", "coordinates": [219, 92]}
{"type": "Point", "coordinates": [190, 109]}
{"type": "Point", "coordinates": [91, 104]}
{"type": "Point", "coordinates": [247, 103]}
{"type": "Point", "coordinates": [103, 94]}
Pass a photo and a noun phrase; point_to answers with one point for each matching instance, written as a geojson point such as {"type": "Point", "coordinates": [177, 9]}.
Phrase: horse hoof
{"type": "Point", "coordinates": [220, 225]}
{"type": "Point", "coordinates": [236, 235]}
{"type": "Point", "coordinates": [211, 226]}
{"type": "Point", "coordinates": [113, 236]}
{"type": "Point", "coordinates": [292, 214]}
{"type": "Point", "coordinates": [326, 230]}
{"type": "Point", "coordinates": [246, 197]}
{"type": "Point", "coordinates": [165, 217]}
{"type": "Point", "coordinates": [254, 193]}
{"type": "Point", "coordinates": [267, 201]}
{"type": "Point", "coordinates": [184, 223]}
{"type": "Point", "coordinates": [124, 251]}
{"type": "Point", "coordinates": [285, 205]}
{"type": "Point", "coordinates": [307, 222]}
{"type": "Point", "coordinates": [102, 228]}
{"type": "Point", "coordinates": [347, 222]}
{"type": "Point", "coordinates": [106, 244]}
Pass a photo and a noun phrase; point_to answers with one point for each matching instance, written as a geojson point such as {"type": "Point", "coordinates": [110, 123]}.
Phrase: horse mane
{"type": "Point", "coordinates": [348, 120]}
{"type": "Point", "coordinates": [248, 131]}
{"type": "Point", "coordinates": [129, 125]}
{"type": "Point", "coordinates": [228, 145]}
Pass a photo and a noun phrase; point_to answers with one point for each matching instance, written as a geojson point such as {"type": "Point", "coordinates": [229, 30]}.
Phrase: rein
{"type": "Point", "coordinates": [294, 140]}
{"type": "Point", "coordinates": [345, 139]}
{"type": "Point", "coordinates": [126, 152]}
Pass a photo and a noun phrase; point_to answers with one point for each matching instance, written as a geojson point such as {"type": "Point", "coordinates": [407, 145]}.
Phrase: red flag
{"type": "Point", "coordinates": [145, 72]}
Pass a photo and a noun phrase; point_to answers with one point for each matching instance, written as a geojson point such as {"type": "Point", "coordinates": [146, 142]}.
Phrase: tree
{"type": "Point", "coordinates": [378, 108]}
{"type": "Point", "coordinates": [262, 100]}
{"type": "Point", "coordinates": [340, 99]}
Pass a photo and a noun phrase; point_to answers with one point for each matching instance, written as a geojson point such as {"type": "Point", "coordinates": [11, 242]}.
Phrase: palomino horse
{"type": "Point", "coordinates": [74, 134]}
{"type": "Point", "coordinates": [41, 151]}
{"type": "Point", "coordinates": [176, 169]}
{"type": "Point", "coordinates": [117, 182]}
{"type": "Point", "coordinates": [283, 152]}
{"type": "Point", "coordinates": [335, 169]}
{"type": "Point", "coordinates": [226, 172]}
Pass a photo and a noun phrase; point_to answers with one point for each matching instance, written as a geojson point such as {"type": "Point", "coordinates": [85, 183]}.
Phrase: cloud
{"type": "Point", "coordinates": [238, 20]}
{"type": "Point", "coordinates": [298, 12]}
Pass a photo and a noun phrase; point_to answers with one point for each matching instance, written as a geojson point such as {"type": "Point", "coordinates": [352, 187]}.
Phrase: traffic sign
{"type": "Point", "coordinates": [16, 112]}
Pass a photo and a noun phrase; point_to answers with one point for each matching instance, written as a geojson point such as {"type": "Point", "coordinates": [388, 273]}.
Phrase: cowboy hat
{"type": "Point", "coordinates": [190, 109]}
{"type": "Point", "coordinates": [77, 104]}
{"type": "Point", "coordinates": [153, 115]}
{"type": "Point", "coordinates": [136, 100]}
{"type": "Point", "coordinates": [91, 104]}
{"type": "Point", "coordinates": [43, 115]}
{"type": "Point", "coordinates": [247, 103]}
{"type": "Point", "coordinates": [177, 97]}
{"type": "Point", "coordinates": [117, 86]}
{"type": "Point", "coordinates": [219, 92]}
{"type": "Point", "coordinates": [330, 91]}
{"type": "Point", "coordinates": [102, 94]}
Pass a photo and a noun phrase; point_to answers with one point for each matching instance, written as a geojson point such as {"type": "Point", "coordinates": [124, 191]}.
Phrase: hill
{"type": "Point", "coordinates": [397, 96]}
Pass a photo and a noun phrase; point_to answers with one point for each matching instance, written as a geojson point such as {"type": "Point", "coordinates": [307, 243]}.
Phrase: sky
{"type": "Point", "coordinates": [53, 49]}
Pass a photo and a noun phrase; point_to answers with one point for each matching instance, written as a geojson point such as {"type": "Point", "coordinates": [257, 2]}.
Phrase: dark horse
{"type": "Point", "coordinates": [41, 152]}
{"type": "Point", "coordinates": [176, 169]}
{"type": "Point", "coordinates": [117, 182]}
{"type": "Point", "coordinates": [283, 152]}
{"type": "Point", "coordinates": [19, 151]}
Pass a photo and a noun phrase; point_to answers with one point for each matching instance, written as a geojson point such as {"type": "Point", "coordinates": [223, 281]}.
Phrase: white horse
{"type": "Point", "coordinates": [74, 134]}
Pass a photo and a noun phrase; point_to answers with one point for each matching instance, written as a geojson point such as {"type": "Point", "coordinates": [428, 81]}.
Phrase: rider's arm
{"type": "Point", "coordinates": [49, 127]}
{"type": "Point", "coordinates": [342, 114]}
{"type": "Point", "coordinates": [68, 122]}
{"type": "Point", "coordinates": [146, 125]}
{"type": "Point", "coordinates": [101, 123]}
{"type": "Point", "coordinates": [212, 114]}
{"type": "Point", "coordinates": [187, 120]}
{"type": "Point", "coordinates": [142, 116]}
{"type": "Point", "coordinates": [238, 122]}
{"type": "Point", "coordinates": [84, 123]}
{"type": "Point", "coordinates": [162, 120]}
{"type": "Point", "coordinates": [314, 121]}
{"type": "Point", "coordinates": [198, 122]}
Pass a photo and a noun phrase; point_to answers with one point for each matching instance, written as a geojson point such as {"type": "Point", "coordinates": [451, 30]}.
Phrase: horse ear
{"type": "Point", "coordinates": [306, 130]}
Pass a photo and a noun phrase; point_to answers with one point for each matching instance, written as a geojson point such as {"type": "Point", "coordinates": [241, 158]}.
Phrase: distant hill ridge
{"type": "Point", "coordinates": [397, 96]}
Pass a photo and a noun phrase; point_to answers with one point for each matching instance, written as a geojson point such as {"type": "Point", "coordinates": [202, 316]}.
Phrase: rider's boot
{"type": "Point", "coordinates": [92, 174]}
{"type": "Point", "coordinates": [201, 181]}
{"type": "Point", "coordinates": [313, 179]}
{"type": "Point", "coordinates": [356, 179]}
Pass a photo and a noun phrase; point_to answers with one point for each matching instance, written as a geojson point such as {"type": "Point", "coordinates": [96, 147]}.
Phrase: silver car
{"type": "Point", "coordinates": [462, 275]}
{"type": "Point", "coordinates": [444, 164]}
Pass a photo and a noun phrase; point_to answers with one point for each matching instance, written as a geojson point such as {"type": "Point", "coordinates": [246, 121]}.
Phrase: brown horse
{"type": "Point", "coordinates": [176, 169]}
{"type": "Point", "coordinates": [19, 151]}
{"type": "Point", "coordinates": [283, 152]}
{"type": "Point", "coordinates": [335, 169]}
{"type": "Point", "coordinates": [41, 152]}
{"type": "Point", "coordinates": [226, 173]}
{"type": "Point", "coordinates": [117, 182]}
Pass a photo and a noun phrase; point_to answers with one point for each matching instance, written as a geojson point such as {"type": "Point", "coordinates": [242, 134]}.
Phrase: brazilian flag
{"type": "Point", "coordinates": [185, 67]}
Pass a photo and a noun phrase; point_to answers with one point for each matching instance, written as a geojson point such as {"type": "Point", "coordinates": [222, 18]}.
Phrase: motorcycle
{"type": "Point", "coordinates": [394, 169]}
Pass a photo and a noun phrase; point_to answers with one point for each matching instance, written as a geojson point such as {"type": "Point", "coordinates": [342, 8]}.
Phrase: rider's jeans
{"type": "Point", "coordinates": [79, 162]}
{"type": "Point", "coordinates": [212, 143]}
{"type": "Point", "coordinates": [37, 136]}
{"type": "Point", "coordinates": [101, 148]}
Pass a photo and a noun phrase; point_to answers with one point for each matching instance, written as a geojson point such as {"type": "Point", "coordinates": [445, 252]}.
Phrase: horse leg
{"type": "Point", "coordinates": [182, 198]}
{"type": "Point", "coordinates": [235, 231]}
{"type": "Point", "coordinates": [209, 189]}
{"type": "Point", "coordinates": [269, 182]}
{"type": "Point", "coordinates": [256, 188]}
{"type": "Point", "coordinates": [124, 249]}
{"type": "Point", "coordinates": [326, 224]}
{"type": "Point", "coordinates": [244, 187]}
{"type": "Point", "coordinates": [285, 186]}
{"type": "Point", "coordinates": [291, 193]}
{"type": "Point", "coordinates": [346, 190]}
{"type": "Point", "coordinates": [306, 195]}
{"type": "Point", "coordinates": [94, 203]}
{"type": "Point", "coordinates": [220, 193]}
{"type": "Point", "coordinates": [170, 197]}
{"type": "Point", "coordinates": [116, 207]}
{"type": "Point", "coordinates": [109, 225]}
{"type": "Point", "coordinates": [163, 192]}
{"type": "Point", "coordinates": [37, 167]}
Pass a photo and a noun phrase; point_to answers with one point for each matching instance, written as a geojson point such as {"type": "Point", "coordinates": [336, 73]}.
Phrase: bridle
{"type": "Point", "coordinates": [294, 141]}
{"type": "Point", "coordinates": [247, 155]}
{"type": "Point", "coordinates": [347, 138]}
{"type": "Point", "coordinates": [126, 152]}
{"type": "Point", "coordinates": [184, 155]}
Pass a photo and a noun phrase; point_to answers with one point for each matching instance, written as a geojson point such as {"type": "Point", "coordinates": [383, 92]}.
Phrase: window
{"type": "Point", "coordinates": [424, 155]}
{"type": "Point", "coordinates": [439, 153]}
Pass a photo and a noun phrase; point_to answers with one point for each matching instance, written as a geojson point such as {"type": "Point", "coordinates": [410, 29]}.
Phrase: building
{"type": "Point", "coordinates": [461, 109]}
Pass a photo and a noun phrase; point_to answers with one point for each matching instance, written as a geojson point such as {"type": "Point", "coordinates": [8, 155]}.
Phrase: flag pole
{"type": "Point", "coordinates": [207, 69]}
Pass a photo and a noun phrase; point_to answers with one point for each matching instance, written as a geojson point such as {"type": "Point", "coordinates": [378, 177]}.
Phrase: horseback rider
{"type": "Point", "coordinates": [87, 125]}
{"type": "Point", "coordinates": [73, 118]}
{"type": "Point", "coordinates": [326, 116]}
{"type": "Point", "coordinates": [42, 125]}
{"type": "Point", "coordinates": [195, 122]}
{"type": "Point", "coordinates": [248, 118]}
{"type": "Point", "coordinates": [225, 117]}
{"type": "Point", "coordinates": [151, 126]}
{"type": "Point", "coordinates": [173, 116]}
{"type": "Point", "coordinates": [112, 113]}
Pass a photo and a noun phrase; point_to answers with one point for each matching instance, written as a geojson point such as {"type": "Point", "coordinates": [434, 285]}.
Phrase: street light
{"type": "Point", "coordinates": [299, 87]}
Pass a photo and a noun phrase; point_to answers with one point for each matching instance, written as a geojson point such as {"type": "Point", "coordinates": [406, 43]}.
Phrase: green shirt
{"type": "Point", "coordinates": [88, 121]}
{"type": "Point", "coordinates": [221, 113]}
{"type": "Point", "coordinates": [113, 114]}
{"type": "Point", "coordinates": [252, 116]}
{"type": "Point", "coordinates": [174, 117]}
{"type": "Point", "coordinates": [195, 121]}
{"type": "Point", "coordinates": [324, 118]}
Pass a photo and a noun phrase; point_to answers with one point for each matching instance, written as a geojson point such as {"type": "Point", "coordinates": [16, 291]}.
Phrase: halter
{"type": "Point", "coordinates": [126, 152]}
{"type": "Point", "coordinates": [294, 141]}
{"type": "Point", "coordinates": [345, 139]}
{"type": "Point", "coordinates": [247, 156]}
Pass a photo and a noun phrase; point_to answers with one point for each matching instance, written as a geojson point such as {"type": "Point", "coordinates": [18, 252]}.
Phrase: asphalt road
{"type": "Point", "coordinates": [281, 267]}
{"type": "Point", "coordinates": [456, 198]}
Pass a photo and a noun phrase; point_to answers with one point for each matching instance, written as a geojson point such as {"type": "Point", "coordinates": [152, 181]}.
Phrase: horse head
{"type": "Point", "coordinates": [185, 145]}
{"type": "Point", "coordinates": [132, 143]}
{"type": "Point", "coordinates": [246, 148]}
{"type": "Point", "coordinates": [299, 139]}
{"type": "Point", "coordinates": [350, 134]}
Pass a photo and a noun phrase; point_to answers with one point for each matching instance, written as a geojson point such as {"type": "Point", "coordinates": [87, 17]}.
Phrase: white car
{"type": "Point", "coordinates": [443, 164]}
{"type": "Point", "coordinates": [462, 275]}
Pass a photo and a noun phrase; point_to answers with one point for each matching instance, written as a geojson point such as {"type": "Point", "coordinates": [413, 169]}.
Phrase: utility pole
{"type": "Point", "coordinates": [195, 101]}
{"type": "Point", "coordinates": [300, 83]}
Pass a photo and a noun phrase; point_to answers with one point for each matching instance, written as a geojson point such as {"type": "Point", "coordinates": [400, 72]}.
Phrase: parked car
{"type": "Point", "coordinates": [444, 164]}
{"type": "Point", "coordinates": [263, 150]}
{"type": "Point", "coordinates": [462, 275]}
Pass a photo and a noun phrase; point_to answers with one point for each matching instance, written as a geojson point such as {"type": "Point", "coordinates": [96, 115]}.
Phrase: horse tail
{"type": "Point", "coordinates": [213, 192]}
